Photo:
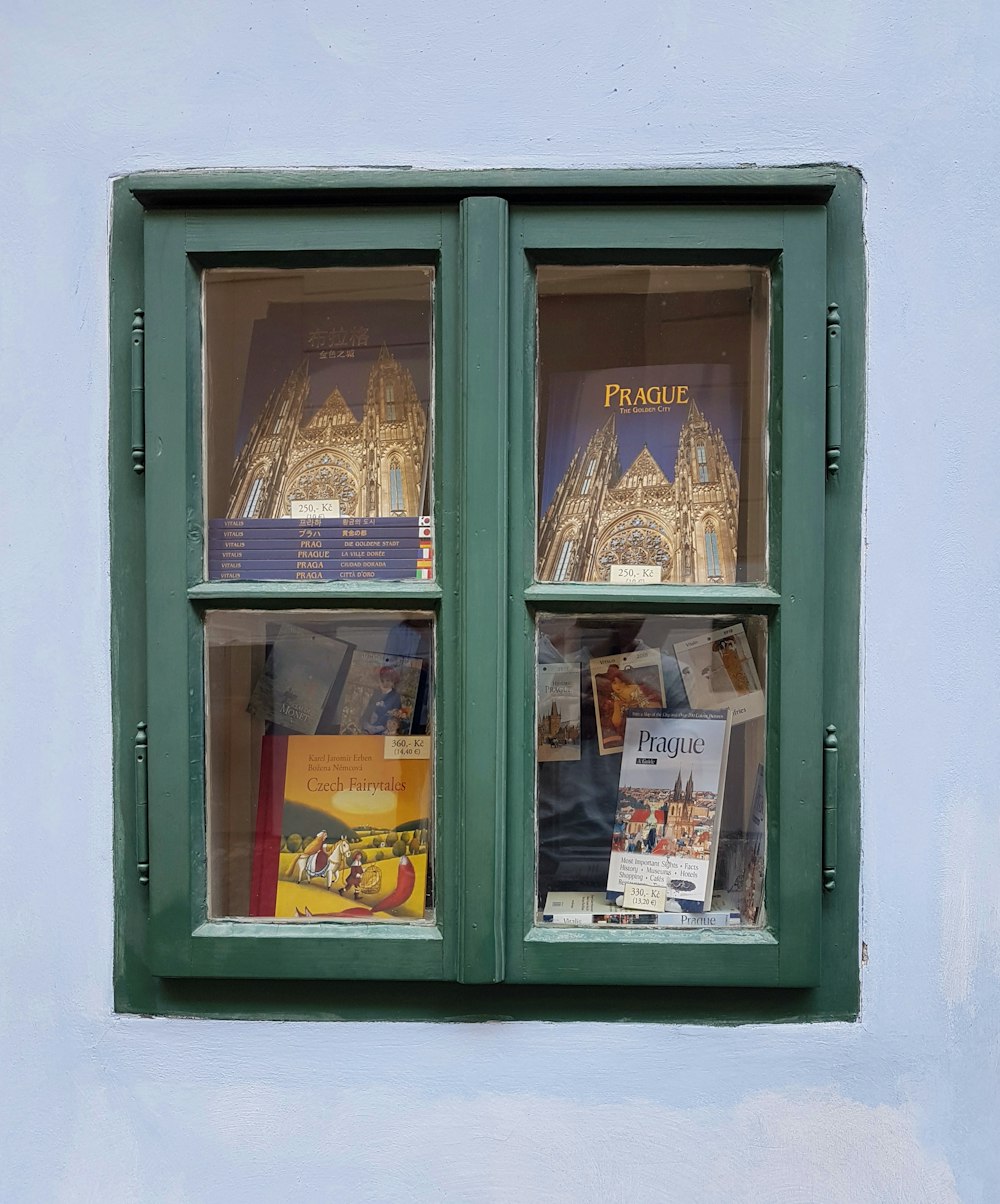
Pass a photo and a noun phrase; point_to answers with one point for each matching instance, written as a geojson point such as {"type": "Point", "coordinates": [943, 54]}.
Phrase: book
{"type": "Point", "coordinates": [297, 679]}
{"type": "Point", "coordinates": [666, 827]}
{"type": "Point", "coordinates": [646, 462]}
{"type": "Point", "coordinates": [628, 680]}
{"type": "Point", "coordinates": [409, 571]}
{"type": "Point", "coordinates": [558, 712]}
{"type": "Point", "coordinates": [334, 526]}
{"type": "Point", "coordinates": [379, 694]}
{"type": "Point", "coordinates": [754, 855]}
{"type": "Point", "coordinates": [342, 832]}
{"type": "Point", "coordinates": [718, 671]}
{"type": "Point", "coordinates": [589, 907]}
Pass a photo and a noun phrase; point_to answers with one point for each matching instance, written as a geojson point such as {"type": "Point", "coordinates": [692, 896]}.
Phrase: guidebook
{"type": "Point", "coordinates": [718, 671]}
{"type": "Point", "coordinates": [342, 830]}
{"type": "Point", "coordinates": [558, 714]}
{"type": "Point", "coordinates": [628, 680]}
{"type": "Point", "coordinates": [666, 828]}
{"type": "Point", "coordinates": [379, 694]}
{"type": "Point", "coordinates": [299, 673]}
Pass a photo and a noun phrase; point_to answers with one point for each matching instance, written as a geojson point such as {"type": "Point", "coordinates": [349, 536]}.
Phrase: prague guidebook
{"type": "Point", "coordinates": [666, 828]}
{"type": "Point", "coordinates": [558, 712]}
{"type": "Point", "coordinates": [342, 830]}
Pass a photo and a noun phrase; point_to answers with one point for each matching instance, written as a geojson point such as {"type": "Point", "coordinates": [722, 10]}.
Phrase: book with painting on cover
{"type": "Point", "coordinates": [301, 670]}
{"type": "Point", "coordinates": [627, 681]}
{"type": "Point", "coordinates": [718, 670]}
{"type": "Point", "coordinates": [666, 827]}
{"type": "Point", "coordinates": [342, 830]}
{"type": "Point", "coordinates": [380, 694]}
{"type": "Point", "coordinates": [558, 711]}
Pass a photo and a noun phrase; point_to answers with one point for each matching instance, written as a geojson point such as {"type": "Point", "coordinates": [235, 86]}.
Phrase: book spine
{"type": "Point", "coordinates": [291, 551]}
{"type": "Point", "coordinates": [258, 541]}
{"type": "Point", "coordinates": [325, 524]}
{"type": "Point", "coordinates": [303, 560]}
{"type": "Point", "coordinates": [267, 834]}
{"type": "Point", "coordinates": [259, 573]}
{"type": "Point", "coordinates": [664, 919]}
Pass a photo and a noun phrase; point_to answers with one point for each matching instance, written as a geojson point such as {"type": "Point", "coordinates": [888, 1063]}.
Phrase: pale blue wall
{"type": "Point", "coordinates": [904, 1105]}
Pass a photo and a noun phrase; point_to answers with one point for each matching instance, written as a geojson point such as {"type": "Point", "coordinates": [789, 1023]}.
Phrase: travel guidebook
{"type": "Point", "coordinates": [558, 713]}
{"type": "Point", "coordinates": [628, 680]}
{"type": "Point", "coordinates": [718, 671]}
{"type": "Point", "coordinates": [666, 828]}
{"type": "Point", "coordinates": [646, 461]}
{"type": "Point", "coordinates": [335, 414]}
{"type": "Point", "coordinates": [299, 674]}
{"type": "Point", "coordinates": [379, 695]}
{"type": "Point", "coordinates": [342, 830]}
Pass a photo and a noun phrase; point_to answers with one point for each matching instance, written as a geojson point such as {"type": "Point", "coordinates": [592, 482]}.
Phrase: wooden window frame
{"type": "Point", "coordinates": [484, 232]}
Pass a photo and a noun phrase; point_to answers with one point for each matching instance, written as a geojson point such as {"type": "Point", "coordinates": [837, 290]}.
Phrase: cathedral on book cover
{"type": "Point", "coordinates": [372, 466]}
{"type": "Point", "coordinates": [600, 516]}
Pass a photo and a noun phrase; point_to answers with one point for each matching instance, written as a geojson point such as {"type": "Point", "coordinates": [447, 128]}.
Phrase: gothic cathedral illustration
{"type": "Point", "coordinates": [600, 516]}
{"type": "Point", "coordinates": [371, 467]}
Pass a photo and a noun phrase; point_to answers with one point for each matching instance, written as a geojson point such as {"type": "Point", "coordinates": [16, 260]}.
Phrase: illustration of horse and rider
{"type": "Point", "coordinates": [314, 860]}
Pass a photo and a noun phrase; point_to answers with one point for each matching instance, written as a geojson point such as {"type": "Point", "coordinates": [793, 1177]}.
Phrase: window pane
{"type": "Point", "coordinates": [652, 405]}
{"type": "Point", "coordinates": [650, 769]}
{"type": "Point", "coordinates": [318, 385]}
{"type": "Point", "coordinates": [319, 767]}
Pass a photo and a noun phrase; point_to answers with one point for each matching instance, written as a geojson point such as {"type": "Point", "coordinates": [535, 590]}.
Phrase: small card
{"type": "Point", "coordinates": [644, 898]}
{"type": "Point", "coordinates": [635, 574]}
{"type": "Point", "coordinates": [719, 671]}
{"type": "Point", "coordinates": [407, 748]}
{"type": "Point", "coordinates": [316, 508]}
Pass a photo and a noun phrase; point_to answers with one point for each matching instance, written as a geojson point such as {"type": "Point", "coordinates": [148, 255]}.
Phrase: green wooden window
{"type": "Point", "coordinates": [498, 246]}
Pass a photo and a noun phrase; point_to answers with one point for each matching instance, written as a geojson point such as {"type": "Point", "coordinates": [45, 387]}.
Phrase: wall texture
{"type": "Point", "coordinates": [902, 1106]}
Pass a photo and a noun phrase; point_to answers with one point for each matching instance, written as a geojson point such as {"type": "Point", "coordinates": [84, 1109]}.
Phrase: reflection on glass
{"type": "Point", "coordinates": [650, 769]}
{"type": "Point", "coordinates": [319, 769]}
{"type": "Point", "coordinates": [317, 420]}
{"type": "Point", "coordinates": [652, 402]}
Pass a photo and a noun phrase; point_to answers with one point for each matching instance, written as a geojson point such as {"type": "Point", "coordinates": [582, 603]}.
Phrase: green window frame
{"type": "Point", "coordinates": [484, 232]}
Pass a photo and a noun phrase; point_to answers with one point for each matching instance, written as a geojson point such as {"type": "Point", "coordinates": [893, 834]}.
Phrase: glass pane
{"type": "Point", "coordinates": [318, 423]}
{"type": "Point", "coordinates": [319, 768]}
{"type": "Point", "coordinates": [652, 416]}
{"type": "Point", "coordinates": [650, 769]}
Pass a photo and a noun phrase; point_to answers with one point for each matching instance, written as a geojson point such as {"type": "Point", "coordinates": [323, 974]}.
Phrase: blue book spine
{"type": "Point", "coordinates": [250, 544]}
{"type": "Point", "coordinates": [402, 573]}
{"type": "Point", "coordinates": [292, 525]}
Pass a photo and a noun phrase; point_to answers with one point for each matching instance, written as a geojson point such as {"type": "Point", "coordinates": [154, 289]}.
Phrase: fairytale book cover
{"type": "Point", "coordinates": [639, 467]}
{"type": "Point", "coordinates": [718, 670]}
{"type": "Point", "coordinates": [298, 676]}
{"type": "Point", "coordinates": [666, 828]}
{"type": "Point", "coordinates": [379, 695]}
{"type": "Point", "coordinates": [335, 413]}
{"type": "Point", "coordinates": [629, 680]}
{"type": "Point", "coordinates": [558, 712]}
{"type": "Point", "coordinates": [342, 831]}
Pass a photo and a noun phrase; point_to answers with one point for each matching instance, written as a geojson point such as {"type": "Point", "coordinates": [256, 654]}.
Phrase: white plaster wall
{"type": "Point", "coordinates": [902, 1106]}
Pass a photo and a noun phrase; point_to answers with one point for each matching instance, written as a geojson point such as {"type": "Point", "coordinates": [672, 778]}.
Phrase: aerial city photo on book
{"type": "Point", "coordinates": [665, 839]}
{"type": "Point", "coordinates": [609, 508]}
{"type": "Point", "coordinates": [333, 443]}
{"type": "Point", "coordinates": [342, 830]}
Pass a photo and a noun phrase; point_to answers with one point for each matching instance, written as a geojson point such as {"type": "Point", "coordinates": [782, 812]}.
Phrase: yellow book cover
{"type": "Point", "coordinates": [343, 831]}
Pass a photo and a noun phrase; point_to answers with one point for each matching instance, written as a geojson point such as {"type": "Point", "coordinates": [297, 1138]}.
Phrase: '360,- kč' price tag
{"type": "Point", "coordinates": [407, 748]}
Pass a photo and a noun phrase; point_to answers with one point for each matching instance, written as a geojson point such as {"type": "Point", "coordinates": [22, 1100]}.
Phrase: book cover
{"type": "Point", "coordinates": [379, 694]}
{"type": "Point", "coordinates": [299, 673]}
{"type": "Point", "coordinates": [640, 467]}
{"type": "Point", "coordinates": [334, 418]}
{"type": "Point", "coordinates": [631, 680]}
{"type": "Point", "coordinates": [342, 830]}
{"type": "Point", "coordinates": [558, 712]}
{"type": "Point", "coordinates": [666, 827]}
{"type": "Point", "coordinates": [718, 671]}
{"type": "Point", "coordinates": [755, 855]}
{"type": "Point", "coordinates": [588, 907]}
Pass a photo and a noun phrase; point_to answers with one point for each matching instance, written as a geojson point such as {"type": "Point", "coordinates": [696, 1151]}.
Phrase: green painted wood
{"type": "Point", "coordinates": [697, 599]}
{"type": "Point", "coordinates": [311, 185]}
{"type": "Point", "coordinates": [836, 996]}
{"type": "Point", "coordinates": [482, 576]}
{"type": "Point", "coordinates": [387, 595]}
{"type": "Point", "coordinates": [315, 237]}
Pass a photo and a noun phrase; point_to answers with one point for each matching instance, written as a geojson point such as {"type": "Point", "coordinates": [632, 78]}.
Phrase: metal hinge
{"type": "Point", "coordinates": [830, 808]}
{"type": "Point", "coordinates": [139, 392]}
{"type": "Point", "coordinates": [832, 389]}
{"type": "Point", "coordinates": [141, 804]}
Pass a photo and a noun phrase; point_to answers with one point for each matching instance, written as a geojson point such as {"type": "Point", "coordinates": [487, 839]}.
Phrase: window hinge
{"type": "Point", "coordinates": [139, 392]}
{"type": "Point", "coordinates": [832, 389]}
{"type": "Point", "coordinates": [141, 804]}
{"type": "Point", "coordinates": [830, 808]}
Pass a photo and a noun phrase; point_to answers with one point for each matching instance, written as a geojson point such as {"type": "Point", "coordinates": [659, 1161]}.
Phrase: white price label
{"type": "Point", "coordinates": [644, 898]}
{"type": "Point", "coordinates": [635, 574]}
{"type": "Point", "coordinates": [316, 508]}
{"type": "Point", "coordinates": [407, 748]}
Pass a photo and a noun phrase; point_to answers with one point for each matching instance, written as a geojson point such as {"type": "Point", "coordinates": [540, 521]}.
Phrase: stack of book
{"type": "Point", "coordinates": [328, 549]}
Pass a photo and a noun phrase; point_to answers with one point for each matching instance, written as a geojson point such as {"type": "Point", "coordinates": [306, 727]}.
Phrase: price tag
{"type": "Point", "coordinates": [407, 748]}
{"type": "Point", "coordinates": [635, 574]}
{"type": "Point", "coordinates": [316, 508]}
{"type": "Point", "coordinates": [644, 898]}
